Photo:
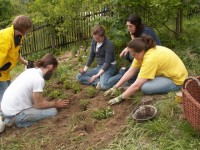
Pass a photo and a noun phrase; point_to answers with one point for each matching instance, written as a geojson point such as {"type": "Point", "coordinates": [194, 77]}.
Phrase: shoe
{"type": "Point", "coordinates": [122, 70]}
{"type": "Point", "coordinates": [2, 125]}
{"type": "Point", "coordinates": [98, 86]}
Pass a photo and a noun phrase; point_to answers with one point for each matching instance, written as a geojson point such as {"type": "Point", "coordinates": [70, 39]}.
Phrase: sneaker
{"type": "Point", "coordinates": [2, 125]}
{"type": "Point", "coordinates": [122, 70]}
{"type": "Point", "coordinates": [98, 86]}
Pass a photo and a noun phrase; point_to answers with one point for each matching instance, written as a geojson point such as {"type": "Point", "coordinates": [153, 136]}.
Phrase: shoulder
{"type": "Point", "coordinates": [108, 42]}
{"type": "Point", "coordinates": [7, 33]}
{"type": "Point", "coordinates": [148, 30]}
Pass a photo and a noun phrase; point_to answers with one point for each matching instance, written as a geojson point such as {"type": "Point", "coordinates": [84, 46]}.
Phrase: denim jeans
{"type": "Point", "coordinates": [159, 85]}
{"type": "Point", "coordinates": [3, 86]}
{"type": "Point", "coordinates": [30, 116]}
{"type": "Point", "coordinates": [106, 81]}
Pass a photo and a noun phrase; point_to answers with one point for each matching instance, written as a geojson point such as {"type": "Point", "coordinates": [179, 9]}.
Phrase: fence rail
{"type": "Point", "coordinates": [44, 36]}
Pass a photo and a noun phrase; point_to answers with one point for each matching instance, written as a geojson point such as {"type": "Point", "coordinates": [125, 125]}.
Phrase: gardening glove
{"type": "Point", "coordinates": [111, 91]}
{"type": "Point", "coordinates": [115, 100]}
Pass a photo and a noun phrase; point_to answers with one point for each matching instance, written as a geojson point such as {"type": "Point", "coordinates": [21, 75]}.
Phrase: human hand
{"type": "Point", "coordinates": [61, 103]}
{"type": "Point", "coordinates": [124, 52]}
{"type": "Point", "coordinates": [115, 100]}
{"type": "Point", "coordinates": [81, 70]}
{"type": "Point", "coordinates": [25, 62]}
{"type": "Point", "coordinates": [111, 91]}
{"type": "Point", "coordinates": [94, 77]}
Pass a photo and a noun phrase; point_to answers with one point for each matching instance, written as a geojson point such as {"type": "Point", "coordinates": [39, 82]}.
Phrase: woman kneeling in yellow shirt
{"type": "Point", "coordinates": [161, 70]}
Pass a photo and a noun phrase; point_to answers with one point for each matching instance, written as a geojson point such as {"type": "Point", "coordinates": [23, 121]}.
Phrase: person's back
{"type": "Point", "coordinates": [18, 95]}
{"type": "Point", "coordinates": [161, 61]}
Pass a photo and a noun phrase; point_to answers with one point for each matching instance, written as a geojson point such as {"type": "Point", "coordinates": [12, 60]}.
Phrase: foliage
{"type": "Point", "coordinates": [154, 13]}
{"type": "Point", "coordinates": [84, 103]}
{"type": "Point", "coordinates": [5, 13]}
{"type": "Point", "coordinates": [102, 113]}
{"type": "Point", "coordinates": [76, 87]}
{"type": "Point", "coordinates": [91, 92]}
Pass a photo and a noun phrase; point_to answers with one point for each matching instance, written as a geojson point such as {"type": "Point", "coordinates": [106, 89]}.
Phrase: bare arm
{"type": "Point", "coordinates": [41, 103]}
{"type": "Point", "coordinates": [25, 62]}
{"type": "Point", "coordinates": [94, 77]}
{"type": "Point", "coordinates": [124, 52]}
{"type": "Point", "coordinates": [128, 75]}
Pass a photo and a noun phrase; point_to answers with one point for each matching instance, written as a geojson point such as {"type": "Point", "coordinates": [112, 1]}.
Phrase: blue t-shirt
{"type": "Point", "coordinates": [151, 32]}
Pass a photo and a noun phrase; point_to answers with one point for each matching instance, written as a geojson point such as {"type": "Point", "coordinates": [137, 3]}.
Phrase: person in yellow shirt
{"type": "Point", "coordinates": [161, 70]}
{"type": "Point", "coordinates": [10, 43]}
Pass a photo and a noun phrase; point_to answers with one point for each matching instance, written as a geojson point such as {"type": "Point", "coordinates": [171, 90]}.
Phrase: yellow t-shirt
{"type": "Point", "coordinates": [161, 61]}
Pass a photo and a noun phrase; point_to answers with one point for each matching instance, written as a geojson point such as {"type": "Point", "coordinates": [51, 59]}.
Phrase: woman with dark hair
{"type": "Point", "coordinates": [158, 74]}
{"type": "Point", "coordinates": [103, 49]}
{"type": "Point", "coordinates": [136, 28]}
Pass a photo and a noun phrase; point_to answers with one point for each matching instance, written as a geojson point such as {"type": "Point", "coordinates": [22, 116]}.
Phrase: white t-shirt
{"type": "Point", "coordinates": [98, 45]}
{"type": "Point", "coordinates": [18, 96]}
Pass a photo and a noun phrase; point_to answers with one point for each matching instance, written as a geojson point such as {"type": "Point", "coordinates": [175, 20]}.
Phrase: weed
{"type": "Point", "coordinates": [84, 103]}
{"type": "Point", "coordinates": [57, 94]}
{"type": "Point", "coordinates": [102, 113]}
{"type": "Point", "coordinates": [67, 85]}
{"type": "Point", "coordinates": [91, 92]}
{"type": "Point", "coordinates": [76, 87]}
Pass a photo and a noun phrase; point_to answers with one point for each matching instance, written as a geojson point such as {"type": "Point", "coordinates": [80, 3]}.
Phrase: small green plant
{"type": "Point", "coordinates": [67, 85]}
{"type": "Point", "coordinates": [57, 94]}
{"type": "Point", "coordinates": [102, 113]}
{"type": "Point", "coordinates": [76, 87]}
{"type": "Point", "coordinates": [91, 92]}
{"type": "Point", "coordinates": [84, 103]}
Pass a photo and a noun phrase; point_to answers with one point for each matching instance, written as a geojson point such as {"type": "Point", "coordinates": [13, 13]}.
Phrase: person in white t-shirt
{"type": "Point", "coordinates": [23, 103]}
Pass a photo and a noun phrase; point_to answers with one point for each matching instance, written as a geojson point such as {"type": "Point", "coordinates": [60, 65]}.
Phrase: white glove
{"type": "Point", "coordinates": [111, 91]}
{"type": "Point", "coordinates": [115, 100]}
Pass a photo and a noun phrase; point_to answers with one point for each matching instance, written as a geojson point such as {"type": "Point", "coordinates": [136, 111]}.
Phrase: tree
{"type": "Point", "coordinates": [5, 13]}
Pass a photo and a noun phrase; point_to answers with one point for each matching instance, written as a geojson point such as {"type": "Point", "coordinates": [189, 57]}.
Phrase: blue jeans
{"type": "Point", "coordinates": [3, 86]}
{"type": "Point", "coordinates": [120, 74]}
{"type": "Point", "coordinates": [30, 116]}
{"type": "Point", "coordinates": [159, 85]}
{"type": "Point", "coordinates": [106, 81]}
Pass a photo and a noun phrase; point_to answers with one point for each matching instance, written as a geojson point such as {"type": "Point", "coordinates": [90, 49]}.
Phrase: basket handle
{"type": "Point", "coordinates": [193, 78]}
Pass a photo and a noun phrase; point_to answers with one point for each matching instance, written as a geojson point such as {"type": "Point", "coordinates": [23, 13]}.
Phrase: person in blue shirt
{"type": "Point", "coordinates": [136, 28]}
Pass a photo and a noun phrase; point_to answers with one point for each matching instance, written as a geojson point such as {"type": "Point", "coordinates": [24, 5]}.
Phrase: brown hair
{"type": "Point", "coordinates": [22, 23]}
{"type": "Point", "coordinates": [99, 30]}
{"type": "Point", "coordinates": [145, 43]}
{"type": "Point", "coordinates": [48, 59]}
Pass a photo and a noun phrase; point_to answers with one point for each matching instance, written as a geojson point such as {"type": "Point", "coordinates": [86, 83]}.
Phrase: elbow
{"type": "Point", "coordinates": [38, 106]}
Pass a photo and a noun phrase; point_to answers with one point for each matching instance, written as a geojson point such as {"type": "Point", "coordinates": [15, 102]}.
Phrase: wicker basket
{"type": "Point", "coordinates": [191, 101]}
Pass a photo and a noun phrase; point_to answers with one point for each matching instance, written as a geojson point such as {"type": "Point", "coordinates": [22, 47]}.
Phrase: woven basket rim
{"type": "Point", "coordinates": [187, 94]}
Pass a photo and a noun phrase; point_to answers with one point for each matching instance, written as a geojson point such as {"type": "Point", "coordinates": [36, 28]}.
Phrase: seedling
{"type": "Point", "coordinates": [76, 87]}
{"type": "Point", "coordinates": [102, 113]}
{"type": "Point", "coordinates": [67, 85]}
{"type": "Point", "coordinates": [91, 92]}
{"type": "Point", "coordinates": [56, 94]}
{"type": "Point", "coordinates": [84, 103]}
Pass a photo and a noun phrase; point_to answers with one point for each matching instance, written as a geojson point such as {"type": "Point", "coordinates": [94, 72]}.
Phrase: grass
{"type": "Point", "coordinates": [168, 131]}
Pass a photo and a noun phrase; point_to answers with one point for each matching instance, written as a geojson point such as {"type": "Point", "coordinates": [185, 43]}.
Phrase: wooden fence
{"type": "Point", "coordinates": [44, 36]}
